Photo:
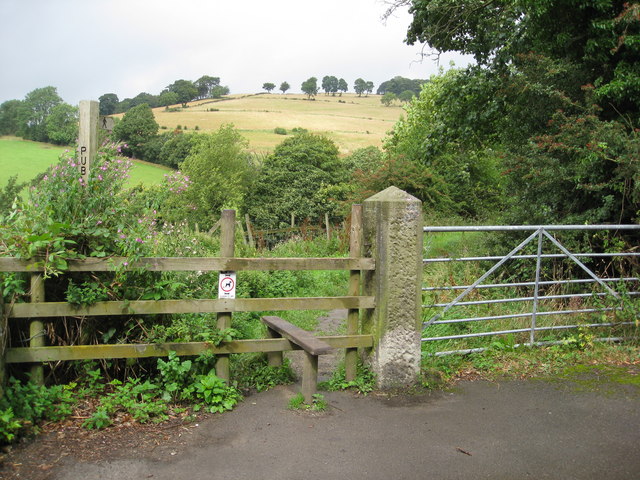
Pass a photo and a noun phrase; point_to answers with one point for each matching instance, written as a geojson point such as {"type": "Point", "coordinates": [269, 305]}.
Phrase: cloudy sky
{"type": "Point", "coordinates": [87, 48]}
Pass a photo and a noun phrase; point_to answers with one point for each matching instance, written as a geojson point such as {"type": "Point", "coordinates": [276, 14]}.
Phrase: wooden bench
{"type": "Point", "coordinates": [312, 346]}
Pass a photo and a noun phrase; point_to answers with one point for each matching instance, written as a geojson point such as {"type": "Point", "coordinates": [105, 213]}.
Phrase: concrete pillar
{"type": "Point", "coordinates": [393, 236]}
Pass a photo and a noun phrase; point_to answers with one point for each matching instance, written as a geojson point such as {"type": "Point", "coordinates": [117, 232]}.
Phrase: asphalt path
{"type": "Point", "coordinates": [504, 430]}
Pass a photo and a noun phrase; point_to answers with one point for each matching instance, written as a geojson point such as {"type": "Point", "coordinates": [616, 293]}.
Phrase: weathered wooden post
{"type": "Point", "coordinates": [36, 327]}
{"type": "Point", "coordinates": [393, 236]}
{"type": "Point", "coordinates": [353, 315]}
{"type": "Point", "coordinates": [87, 136]}
{"type": "Point", "coordinates": [227, 250]}
{"type": "Point", "coordinates": [4, 333]}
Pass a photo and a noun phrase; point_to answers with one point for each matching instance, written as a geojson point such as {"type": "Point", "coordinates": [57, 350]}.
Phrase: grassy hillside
{"type": "Point", "coordinates": [350, 121]}
{"type": "Point", "coordinates": [27, 159]}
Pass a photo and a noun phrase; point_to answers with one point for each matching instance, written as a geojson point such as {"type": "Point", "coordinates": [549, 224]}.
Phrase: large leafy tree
{"type": "Point", "coordinates": [310, 87]}
{"type": "Point", "coordinates": [9, 117]}
{"type": "Point", "coordinates": [35, 109]}
{"type": "Point", "coordinates": [330, 84]}
{"type": "Point", "coordinates": [136, 128]}
{"type": "Point", "coordinates": [296, 179]}
{"type": "Point", "coordinates": [219, 169]}
{"type": "Point", "coordinates": [205, 84]}
{"type": "Point", "coordinates": [284, 86]}
{"type": "Point", "coordinates": [185, 89]}
{"type": "Point", "coordinates": [62, 124]}
{"type": "Point", "coordinates": [108, 103]}
{"type": "Point", "coordinates": [555, 97]}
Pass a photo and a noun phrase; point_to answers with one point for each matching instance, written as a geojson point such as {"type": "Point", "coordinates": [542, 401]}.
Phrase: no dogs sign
{"type": "Point", "coordinates": [227, 285]}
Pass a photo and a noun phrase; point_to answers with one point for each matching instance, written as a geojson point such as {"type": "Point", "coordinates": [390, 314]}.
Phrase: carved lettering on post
{"type": "Point", "coordinates": [87, 136]}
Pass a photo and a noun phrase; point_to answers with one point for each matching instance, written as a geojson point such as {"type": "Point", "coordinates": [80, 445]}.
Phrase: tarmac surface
{"type": "Point", "coordinates": [506, 430]}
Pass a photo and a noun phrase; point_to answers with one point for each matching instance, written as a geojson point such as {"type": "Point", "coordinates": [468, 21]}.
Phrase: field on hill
{"type": "Point", "coordinates": [350, 121]}
{"type": "Point", "coordinates": [27, 159]}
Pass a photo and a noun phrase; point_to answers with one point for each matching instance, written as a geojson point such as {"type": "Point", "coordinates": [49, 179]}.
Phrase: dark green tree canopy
{"type": "Point", "coordinates": [399, 84]}
{"type": "Point", "coordinates": [284, 86]}
{"type": "Point", "coordinates": [268, 86]}
{"type": "Point", "coordinates": [310, 87]}
{"type": "Point", "coordinates": [62, 124]}
{"type": "Point", "coordinates": [294, 180]}
{"type": "Point", "coordinates": [137, 127]}
{"type": "Point", "coordinates": [205, 84]}
{"type": "Point", "coordinates": [108, 103]}
{"type": "Point", "coordinates": [330, 84]}
{"type": "Point", "coordinates": [34, 110]}
{"type": "Point", "coordinates": [185, 89]}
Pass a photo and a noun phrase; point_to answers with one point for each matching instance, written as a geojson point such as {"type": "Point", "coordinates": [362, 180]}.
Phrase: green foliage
{"type": "Point", "coordinates": [185, 90]}
{"type": "Point", "coordinates": [310, 87]}
{"type": "Point", "coordinates": [219, 170]}
{"type": "Point", "coordinates": [280, 131]}
{"type": "Point", "coordinates": [108, 103]}
{"type": "Point", "coordinates": [293, 179]}
{"type": "Point", "coordinates": [252, 372]}
{"type": "Point", "coordinates": [24, 405]}
{"type": "Point", "coordinates": [364, 382]}
{"type": "Point", "coordinates": [136, 128]}
{"type": "Point", "coordinates": [217, 396]}
{"type": "Point", "coordinates": [33, 113]}
{"type": "Point", "coordinates": [268, 86]}
{"type": "Point", "coordinates": [284, 86]}
{"type": "Point", "coordinates": [88, 293]}
{"type": "Point", "coordinates": [62, 124]}
{"type": "Point", "coordinates": [388, 98]}
{"type": "Point", "coordinates": [318, 403]}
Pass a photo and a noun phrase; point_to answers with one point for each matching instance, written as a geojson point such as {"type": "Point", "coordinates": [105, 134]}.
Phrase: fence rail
{"type": "Point", "coordinates": [39, 311]}
{"type": "Point", "coordinates": [584, 303]}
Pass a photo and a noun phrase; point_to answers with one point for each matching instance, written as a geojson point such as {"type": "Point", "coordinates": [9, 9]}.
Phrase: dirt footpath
{"type": "Point", "coordinates": [508, 430]}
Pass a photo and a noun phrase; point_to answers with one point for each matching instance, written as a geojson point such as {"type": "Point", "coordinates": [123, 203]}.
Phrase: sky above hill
{"type": "Point", "coordinates": [87, 48]}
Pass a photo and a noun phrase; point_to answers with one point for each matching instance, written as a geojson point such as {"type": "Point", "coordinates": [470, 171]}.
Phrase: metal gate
{"type": "Point", "coordinates": [533, 306]}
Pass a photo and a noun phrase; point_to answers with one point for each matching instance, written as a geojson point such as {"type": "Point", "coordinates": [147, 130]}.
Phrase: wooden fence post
{"type": "Point", "coordinates": [36, 327]}
{"type": "Point", "coordinates": [4, 334]}
{"type": "Point", "coordinates": [247, 221]}
{"type": "Point", "coordinates": [353, 315]}
{"type": "Point", "coordinates": [227, 249]}
{"type": "Point", "coordinates": [392, 221]}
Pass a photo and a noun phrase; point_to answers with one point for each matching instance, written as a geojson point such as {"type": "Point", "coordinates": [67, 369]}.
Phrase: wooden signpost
{"type": "Point", "coordinates": [87, 136]}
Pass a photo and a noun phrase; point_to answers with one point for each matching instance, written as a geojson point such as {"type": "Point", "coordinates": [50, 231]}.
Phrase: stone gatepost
{"type": "Point", "coordinates": [393, 237]}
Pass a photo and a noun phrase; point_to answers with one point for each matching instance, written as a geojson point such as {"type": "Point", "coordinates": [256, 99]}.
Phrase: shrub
{"type": "Point", "coordinates": [279, 131]}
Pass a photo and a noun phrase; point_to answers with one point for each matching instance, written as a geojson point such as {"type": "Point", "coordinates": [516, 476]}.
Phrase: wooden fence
{"type": "Point", "coordinates": [39, 311]}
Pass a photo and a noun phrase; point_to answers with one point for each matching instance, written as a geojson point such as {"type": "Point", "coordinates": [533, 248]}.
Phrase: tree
{"type": "Point", "coordinates": [167, 98]}
{"type": "Point", "coordinates": [342, 86]}
{"type": "Point", "coordinates": [330, 84]}
{"type": "Point", "coordinates": [144, 97]}
{"type": "Point", "coordinates": [136, 128]}
{"type": "Point", "coordinates": [400, 84]}
{"type": "Point", "coordinates": [219, 91]}
{"type": "Point", "coordinates": [219, 169]}
{"type": "Point", "coordinates": [9, 117]}
{"type": "Point", "coordinates": [406, 96]}
{"type": "Point", "coordinates": [296, 179]}
{"type": "Point", "coordinates": [205, 84]}
{"type": "Point", "coordinates": [284, 86]}
{"type": "Point", "coordinates": [185, 89]}
{"type": "Point", "coordinates": [34, 111]}
{"type": "Point", "coordinates": [600, 36]}
{"type": "Point", "coordinates": [360, 86]}
{"type": "Point", "coordinates": [108, 103]}
{"type": "Point", "coordinates": [310, 87]}
{"type": "Point", "coordinates": [388, 98]}
{"type": "Point", "coordinates": [368, 87]}
{"type": "Point", "coordinates": [268, 86]}
{"type": "Point", "coordinates": [62, 124]}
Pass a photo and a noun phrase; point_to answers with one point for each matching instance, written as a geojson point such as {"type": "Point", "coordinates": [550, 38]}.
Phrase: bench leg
{"type": "Point", "coordinates": [274, 359]}
{"type": "Point", "coordinates": [310, 377]}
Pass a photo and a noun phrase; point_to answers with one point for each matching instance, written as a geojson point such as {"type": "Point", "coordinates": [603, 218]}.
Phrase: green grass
{"type": "Point", "coordinates": [28, 159]}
